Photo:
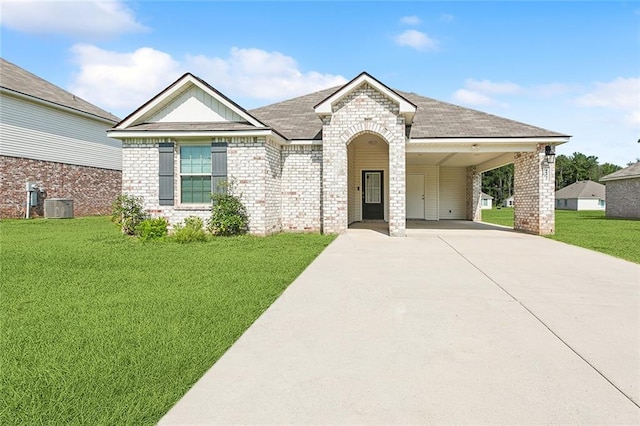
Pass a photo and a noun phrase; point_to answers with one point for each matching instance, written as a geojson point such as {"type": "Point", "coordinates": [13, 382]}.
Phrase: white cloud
{"type": "Point", "coordinates": [124, 81]}
{"type": "Point", "coordinates": [550, 90]}
{"type": "Point", "coordinates": [621, 94]}
{"type": "Point", "coordinates": [417, 40]}
{"type": "Point", "coordinates": [469, 97]}
{"type": "Point", "coordinates": [410, 20]}
{"type": "Point", "coordinates": [445, 17]}
{"type": "Point", "coordinates": [492, 88]}
{"type": "Point", "coordinates": [121, 81]}
{"type": "Point", "coordinates": [92, 19]}
{"type": "Point", "coordinates": [259, 74]}
{"type": "Point", "coordinates": [483, 92]}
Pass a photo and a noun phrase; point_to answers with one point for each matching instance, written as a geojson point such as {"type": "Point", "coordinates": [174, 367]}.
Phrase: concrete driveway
{"type": "Point", "coordinates": [470, 324]}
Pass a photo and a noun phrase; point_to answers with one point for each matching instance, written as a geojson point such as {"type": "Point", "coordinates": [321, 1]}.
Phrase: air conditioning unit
{"type": "Point", "coordinates": [58, 208]}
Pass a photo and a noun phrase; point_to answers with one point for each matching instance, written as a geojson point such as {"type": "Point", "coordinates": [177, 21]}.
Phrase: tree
{"type": "Point", "coordinates": [499, 183]}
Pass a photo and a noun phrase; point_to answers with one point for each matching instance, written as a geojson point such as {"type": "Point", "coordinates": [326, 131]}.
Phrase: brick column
{"type": "Point", "coordinates": [397, 188]}
{"type": "Point", "coordinates": [474, 190]}
{"type": "Point", "coordinates": [334, 181]}
{"type": "Point", "coordinates": [534, 193]}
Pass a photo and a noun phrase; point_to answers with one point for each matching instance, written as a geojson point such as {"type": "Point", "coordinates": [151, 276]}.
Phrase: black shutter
{"type": "Point", "coordinates": [218, 167]}
{"type": "Point", "coordinates": [165, 174]}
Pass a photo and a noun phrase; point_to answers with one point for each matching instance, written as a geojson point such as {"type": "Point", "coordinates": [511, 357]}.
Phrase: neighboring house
{"type": "Point", "coordinates": [508, 202]}
{"type": "Point", "coordinates": [623, 192]}
{"type": "Point", "coordinates": [58, 142]}
{"type": "Point", "coordinates": [486, 201]}
{"type": "Point", "coordinates": [581, 195]}
{"type": "Point", "coordinates": [322, 161]}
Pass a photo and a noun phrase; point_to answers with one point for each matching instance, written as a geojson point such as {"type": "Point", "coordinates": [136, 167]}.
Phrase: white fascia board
{"type": "Point", "coordinates": [55, 105]}
{"type": "Point", "coordinates": [179, 134]}
{"type": "Point", "coordinates": [555, 140]}
{"type": "Point", "coordinates": [177, 88]}
{"type": "Point", "coordinates": [305, 142]}
{"type": "Point", "coordinates": [619, 178]}
{"type": "Point", "coordinates": [405, 106]}
{"type": "Point", "coordinates": [461, 148]}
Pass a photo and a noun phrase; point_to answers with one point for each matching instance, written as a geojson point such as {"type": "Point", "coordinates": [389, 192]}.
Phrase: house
{"type": "Point", "coordinates": [58, 143]}
{"type": "Point", "coordinates": [486, 201]}
{"type": "Point", "coordinates": [581, 195]}
{"type": "Point", "coordinates": [623, 192]}
{"type": "Point", "coordinates": [319, 162]}
{"type": "Point", "coordinates": [508, 202]}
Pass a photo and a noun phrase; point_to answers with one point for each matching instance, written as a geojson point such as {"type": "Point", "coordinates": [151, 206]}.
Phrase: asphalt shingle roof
{"type": "Point", "coordinates": [296, 119]}
{"type": "Point", "coordinates": [633, 171]}
{"type": "Point", "coordinates": [19, 80]}
{"type": "Point", "coordinates": [582, 189]}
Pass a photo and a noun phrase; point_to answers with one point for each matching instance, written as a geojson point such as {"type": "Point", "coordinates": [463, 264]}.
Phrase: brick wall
{"type": "Point", "coordinates": [301, 188]}
{"type": "Point", "coordinates": [92, 189]}
{"type": "Point", "coordinates": [623, 198]}
{"type": "Point", "coordinates": [474, 195]}
{"type": "Point", "coordinates": [365, 110]}
{"type": "Point", "coordinates": [534, 193]}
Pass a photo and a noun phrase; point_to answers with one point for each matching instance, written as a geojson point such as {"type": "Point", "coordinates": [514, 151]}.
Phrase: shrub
{"type": "Point", "coordinates": [151, 229]}
{"type": "Point", "coordinates": [127, 213]}
{"type": "Point", "coordinates": [191, 231]}
{"type": "Point", "coordinates": [228, 215]}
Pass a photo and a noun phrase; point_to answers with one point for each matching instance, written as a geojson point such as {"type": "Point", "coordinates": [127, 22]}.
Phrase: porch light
{"type": "Point", "coordinates": [549, 154]}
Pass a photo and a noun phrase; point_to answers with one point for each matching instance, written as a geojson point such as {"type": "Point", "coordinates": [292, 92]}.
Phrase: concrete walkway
{"type": "Point", "coordinates": [468, 325]}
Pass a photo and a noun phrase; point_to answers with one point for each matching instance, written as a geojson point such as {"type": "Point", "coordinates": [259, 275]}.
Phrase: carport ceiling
{"type": "Point", "coordinates": [452, 159]}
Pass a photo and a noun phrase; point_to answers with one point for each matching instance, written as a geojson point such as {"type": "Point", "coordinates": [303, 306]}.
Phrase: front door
{"type": "Point", "coordinates": [372, 195]}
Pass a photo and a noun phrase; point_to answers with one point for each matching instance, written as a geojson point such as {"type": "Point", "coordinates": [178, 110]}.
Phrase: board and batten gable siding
{"type": "Point", "coordinates": [194, 105]}
{"type": "Point", "coordinates": [35, 131]}
{"type": "Point", "coordinates": [453, 193]}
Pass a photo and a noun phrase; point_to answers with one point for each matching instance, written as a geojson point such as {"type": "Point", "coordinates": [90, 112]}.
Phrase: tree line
{"type": "Point", "coordinates": [569, 169]}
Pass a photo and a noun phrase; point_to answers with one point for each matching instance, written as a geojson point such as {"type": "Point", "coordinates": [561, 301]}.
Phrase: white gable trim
{"type": "Point", "coordinates": [406, 108]}
{"type": "Point", "coordinates": [175, 90]}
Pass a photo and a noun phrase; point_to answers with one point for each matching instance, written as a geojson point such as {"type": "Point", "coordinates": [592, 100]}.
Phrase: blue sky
{"type": "Point", "coordinates": [569, 66]}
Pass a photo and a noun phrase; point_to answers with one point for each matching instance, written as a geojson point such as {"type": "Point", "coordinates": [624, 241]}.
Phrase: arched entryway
{"type": "Point", "coordinates": [368, 178]}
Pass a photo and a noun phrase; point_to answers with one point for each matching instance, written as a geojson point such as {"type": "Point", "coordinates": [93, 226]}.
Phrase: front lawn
{"type": "Point", "coordinates": [99, 328]}
{"type": "Point", "coordinates": [588, 229]}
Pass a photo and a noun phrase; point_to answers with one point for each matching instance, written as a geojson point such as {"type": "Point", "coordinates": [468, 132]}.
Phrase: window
{"type": "Point", "coordinates": [601, 203]}
{"type": "Point", "coordinates": [195, 174]}
{"type": "Point", "coordinates": [485, 202]}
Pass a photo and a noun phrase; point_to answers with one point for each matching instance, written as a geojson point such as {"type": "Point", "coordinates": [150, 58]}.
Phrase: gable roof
{"type": "Point", "coordinates": [135, 120]}
{"type": "Point", "coordinates": [631, 172]}
{"type": "Point", "coordinates": [406, 107]}
{"type": "Point", "coordinates": [582, 189]}
{"type": "Point", "coordinates": [296, 119]}
{"type": "Point", "coordinates": [485, 196]}
{"type": "Point", "coordinates": [21, 82]}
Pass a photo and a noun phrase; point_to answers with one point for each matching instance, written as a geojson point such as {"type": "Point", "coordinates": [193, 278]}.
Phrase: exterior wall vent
{"type": "Point", "coordinates": [58, 208]}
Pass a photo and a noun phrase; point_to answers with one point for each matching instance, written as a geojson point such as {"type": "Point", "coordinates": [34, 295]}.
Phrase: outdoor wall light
{"type": "Point", "coordinates": [549, 154]}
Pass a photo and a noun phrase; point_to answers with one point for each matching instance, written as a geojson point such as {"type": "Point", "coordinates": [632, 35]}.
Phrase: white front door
{"type": "Point", "coordinates": [415, 196]}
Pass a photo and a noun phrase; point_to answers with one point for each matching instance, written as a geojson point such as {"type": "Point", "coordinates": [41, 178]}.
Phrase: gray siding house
{"type": "Point", "coordinates": [623, 192]}
{"type": "Point", "coordinates": [57, 141]}
{"type": "Point", "coordinates": [581, 195]}
{"type": "Point", "coordinates": [322, 161]}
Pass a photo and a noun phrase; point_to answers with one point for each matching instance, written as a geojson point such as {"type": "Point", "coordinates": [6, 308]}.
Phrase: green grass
{"type": "Point", "coordinates": [99, 328]}
{"type": "Point", "coordinates": [588, 229]}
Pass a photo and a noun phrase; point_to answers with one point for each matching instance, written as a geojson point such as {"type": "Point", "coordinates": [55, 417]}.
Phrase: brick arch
{"type": "Point", "coordinates": [365, 127]}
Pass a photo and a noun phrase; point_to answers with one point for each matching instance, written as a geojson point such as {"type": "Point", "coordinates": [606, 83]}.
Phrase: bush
{"type": "Point", "coordinates": [151, 229]}
{"type": "Point", "coordinates": [191, 231]}
{"type": "Point", "coordinates": [228, 215]}
{"type": "Point", "coordinates": [127, 212]}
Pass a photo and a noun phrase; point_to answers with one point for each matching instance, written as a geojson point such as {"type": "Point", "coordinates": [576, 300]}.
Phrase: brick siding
{"type": "Point", "coordinates": [92, 189]}
{"type": "Point", "coordinates": [623, 198]}
{"type": "Point", "coordinates": [534, 193]}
